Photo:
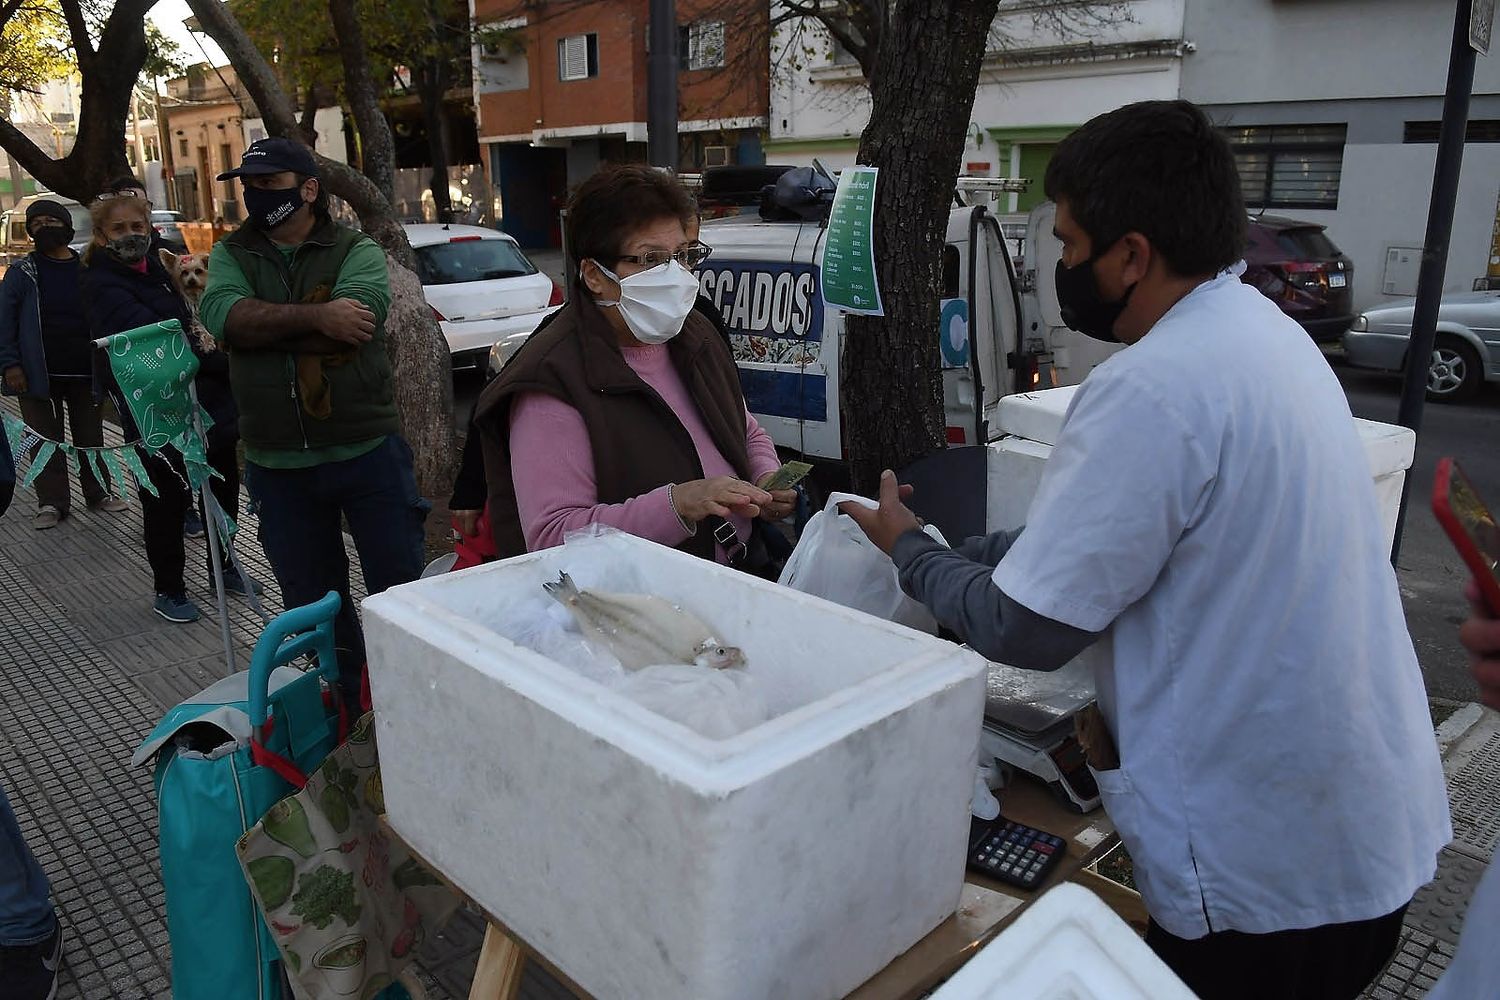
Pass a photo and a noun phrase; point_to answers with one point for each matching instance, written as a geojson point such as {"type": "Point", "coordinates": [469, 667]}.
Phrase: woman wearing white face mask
{"type": "Point", "coordinates": [626, 410]}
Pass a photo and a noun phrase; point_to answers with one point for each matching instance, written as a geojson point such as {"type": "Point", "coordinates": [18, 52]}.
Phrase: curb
{"type": "Point", "coordinates": [1458, 725]}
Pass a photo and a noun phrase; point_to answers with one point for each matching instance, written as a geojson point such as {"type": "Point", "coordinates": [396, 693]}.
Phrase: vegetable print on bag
{"type": "Point", "coordinates": [347, 903]}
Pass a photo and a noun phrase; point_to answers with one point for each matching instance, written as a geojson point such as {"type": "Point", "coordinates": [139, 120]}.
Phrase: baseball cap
{"type": "Point", "coordinates": [273, 156]}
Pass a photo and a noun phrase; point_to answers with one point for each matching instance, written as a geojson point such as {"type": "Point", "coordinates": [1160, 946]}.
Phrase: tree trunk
{"type": "Point", "coordinates": [922, 95]}
{"type": "Point", "coordinates": [377, 145]}
{"type": "Point", "coordinates": [108, 76]}
{"type": "Point", "coordinates": [424, 382]}
{"type": "Point", "coordinates": [419, 352]}
{"type": "Point", "coordinates": [432, 83]}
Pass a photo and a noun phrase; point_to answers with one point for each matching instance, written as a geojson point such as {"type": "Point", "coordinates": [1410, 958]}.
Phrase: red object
{"type": "Point", "coordinates": [1470, 526]}
{"type": "Point", "coordinates": [437, 315]}
{"type": "Point", "coordinates": [475, 549]}
{"type": "Point", "coordinates": [955, 435]}
{"type": "Point", "coordinates": [557, 295]}
{"type": "Point", "coordinates": [289, 772]}
{"type": "Point", "coordinates": [464, 239]}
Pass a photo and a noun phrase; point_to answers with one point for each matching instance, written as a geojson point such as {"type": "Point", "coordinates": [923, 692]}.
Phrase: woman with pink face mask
{"type": "Point", "coordinates": [625, 409]}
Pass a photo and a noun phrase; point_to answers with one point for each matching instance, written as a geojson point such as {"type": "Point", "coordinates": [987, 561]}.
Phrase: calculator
{"type": "Point", "coordinates": [1012, 852]}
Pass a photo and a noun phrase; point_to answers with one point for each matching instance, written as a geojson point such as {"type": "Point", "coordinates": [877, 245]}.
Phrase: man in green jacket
{"type": "Point", "coordinates": [301, 301]}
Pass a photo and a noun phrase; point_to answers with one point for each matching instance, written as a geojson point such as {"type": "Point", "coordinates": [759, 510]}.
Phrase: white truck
{"type": "Point", "coordinates": [1000, 328]}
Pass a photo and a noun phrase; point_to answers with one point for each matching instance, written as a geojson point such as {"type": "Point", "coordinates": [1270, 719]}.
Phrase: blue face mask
{"type": "Point", "coordinates": [269, 209]}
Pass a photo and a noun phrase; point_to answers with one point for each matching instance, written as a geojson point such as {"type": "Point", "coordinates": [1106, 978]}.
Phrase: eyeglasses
{"type": "Point", "coordinates": [111, 195]}
{"type": "Point", "coordinates": [689, 256]}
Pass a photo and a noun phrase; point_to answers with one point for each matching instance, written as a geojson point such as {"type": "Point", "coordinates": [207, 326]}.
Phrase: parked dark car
{"type": "Point", "coordinates": [1296, 265]}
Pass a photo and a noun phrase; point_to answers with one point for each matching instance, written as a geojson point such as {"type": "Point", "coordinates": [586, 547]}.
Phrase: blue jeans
{"type": "Point", "coordinates": [26, 915]}
{"type": "Point", "coordinates": [300, 530]}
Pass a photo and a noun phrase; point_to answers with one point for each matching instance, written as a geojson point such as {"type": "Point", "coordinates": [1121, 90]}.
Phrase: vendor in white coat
{"type": "Point", "coordinates": [1209, 512]}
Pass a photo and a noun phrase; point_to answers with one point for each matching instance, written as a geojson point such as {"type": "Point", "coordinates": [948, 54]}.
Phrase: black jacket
{"type": "Point", "coordinates": [119, 298]}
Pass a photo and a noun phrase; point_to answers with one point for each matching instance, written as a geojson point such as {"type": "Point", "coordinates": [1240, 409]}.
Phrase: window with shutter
{"type": "Point", "coordinates": [1289, 166]}
{"type": "Point", "coordinates": [700, 45]}
{"type": "Point", "coordinates": [578, 57]}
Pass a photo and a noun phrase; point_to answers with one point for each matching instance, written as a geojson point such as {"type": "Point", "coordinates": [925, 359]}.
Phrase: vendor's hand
{"type": "Point", "coordinates": [1480, 635]}
{"type": "Point", "coordinates": [721, 496]}
{"type": "Point", "coordinates": [467, 522]}
{"type": "Point", "coordinates": [783, 502]}
{"type": "Point", "coordinates": [15, 380]}
{"type": "Point", "coordinates": [892, 520]}
{"type": "Point", "coordinates": [347, 321]}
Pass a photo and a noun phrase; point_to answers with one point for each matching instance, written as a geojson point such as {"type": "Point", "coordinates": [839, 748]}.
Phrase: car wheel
{"type": "Point", "coordinates": [1454, 373]}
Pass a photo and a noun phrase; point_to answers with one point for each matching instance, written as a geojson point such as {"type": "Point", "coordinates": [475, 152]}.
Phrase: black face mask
{"type": "Point", "coordinates": [1082, 308]}
{"type": "Point", "coordinates": [50, 238]}
{"type": "Point", "coordinates": [269, 209]}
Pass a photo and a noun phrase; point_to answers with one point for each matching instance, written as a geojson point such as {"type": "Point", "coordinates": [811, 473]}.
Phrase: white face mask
{"type": "Point", "coordinates": [654, 303]}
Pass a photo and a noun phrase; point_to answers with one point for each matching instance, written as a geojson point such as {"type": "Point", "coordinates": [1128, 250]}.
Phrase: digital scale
{"type": "Point", "coordinates": [1028, 725]}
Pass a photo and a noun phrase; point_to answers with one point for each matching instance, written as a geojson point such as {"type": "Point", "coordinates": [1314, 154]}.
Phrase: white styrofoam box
{"type": "Point", "coordinates": [1014, 471]}
{"type": "Point", "coordinates": [1034, 420]}
{"type": "Point", "coordinates": [1035, 416]}
{"type": "Point", "coordinates": [1390, 449]}
{"type": "Point", "coordinates": [1067, 946]}
{"type": "Point", "coordinates": [795, 859]}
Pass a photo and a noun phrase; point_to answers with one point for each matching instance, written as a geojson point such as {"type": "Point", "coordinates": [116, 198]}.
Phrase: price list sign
{"type": "Point", "coordinates": [849, 281]}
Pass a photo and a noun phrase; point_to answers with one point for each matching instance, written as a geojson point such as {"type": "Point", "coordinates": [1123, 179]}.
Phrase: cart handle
{"type": "Point", "coordinates": [294, 633]}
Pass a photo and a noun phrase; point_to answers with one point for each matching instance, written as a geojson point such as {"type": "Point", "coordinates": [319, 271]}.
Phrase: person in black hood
{"type": "Point", "coordinates": [125, 286]}
{"type": "Point", "coordinates": [45, 358]}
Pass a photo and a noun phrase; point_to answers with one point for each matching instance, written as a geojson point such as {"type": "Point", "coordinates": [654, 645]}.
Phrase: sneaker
{"type": "Point", "coordinates": [233, 584]}
{"type": "Point", "coordinates": [110, 504]}
{"type": "Point", "coordinates": [46, 517]}
{"type": "Point", "coordinates": [176, 609]}
{"type": "Point", "coordinates": [30, 972]}
{"type": "Point", "coordinates": [192, 525]}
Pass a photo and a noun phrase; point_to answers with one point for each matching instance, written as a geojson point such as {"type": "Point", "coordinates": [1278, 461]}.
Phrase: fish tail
{"type": "Point", "coordinates": [563, 590]}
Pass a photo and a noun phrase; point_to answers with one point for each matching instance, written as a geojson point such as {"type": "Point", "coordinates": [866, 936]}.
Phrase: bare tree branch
{"type": "Point", "coordinates": [30, 156]}
{"type": "Point", "coordinates": [309, 112]}
{"type": "Point", "coordinates": [364, 100]}
{"type": "Point", "coordinates": [254, 72]}
{"type": "Point", "coordinates": [8, 11]}
{"type": "Point", "coordinates": [78, 30]}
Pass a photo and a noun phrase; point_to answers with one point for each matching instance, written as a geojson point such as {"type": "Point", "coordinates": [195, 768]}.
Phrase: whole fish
{"type": "Point", "coordinates": [642, 630]}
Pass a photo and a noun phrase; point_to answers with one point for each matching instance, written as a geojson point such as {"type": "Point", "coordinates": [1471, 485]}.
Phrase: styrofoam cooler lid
{"type": "Point", "coordinates": [1389, 447]}
{"type": "Point", "coordinates": [1035, 416]}
{"type": "Point", "coordinates": [1067, 946]}
{"type": "Point", "coordinates": [1038, 416]}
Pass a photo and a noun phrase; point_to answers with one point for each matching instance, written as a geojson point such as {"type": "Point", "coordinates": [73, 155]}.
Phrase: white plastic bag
{"type": "Point", "coordinates": [715, 703]}
{"type": "Point", "coordinates": [544, 626]}
{"type": "Point", "coordinates": [836, 561]}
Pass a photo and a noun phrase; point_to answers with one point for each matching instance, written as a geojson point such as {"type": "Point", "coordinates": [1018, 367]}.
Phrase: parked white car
{"type": "Point", "coordinates": [481, 286]}
{"type": "Point", "coordinates": [1465, 355]}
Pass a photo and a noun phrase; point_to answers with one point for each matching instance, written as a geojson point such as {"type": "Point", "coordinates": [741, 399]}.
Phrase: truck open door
{"type": "Point", "coordinates": [1073, 354]}
{"type": "Point", "coordinates": [979, 326]}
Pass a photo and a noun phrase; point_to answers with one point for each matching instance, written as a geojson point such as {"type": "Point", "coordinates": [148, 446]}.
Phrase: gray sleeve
{"type": "Point", "coordinates": [988, 550]}
{"type": "Point", "coordinates": [958, 591]}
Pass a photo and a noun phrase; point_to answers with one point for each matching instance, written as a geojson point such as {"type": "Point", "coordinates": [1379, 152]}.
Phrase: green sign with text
{"type": "Point", "coordinates": [849, 280]}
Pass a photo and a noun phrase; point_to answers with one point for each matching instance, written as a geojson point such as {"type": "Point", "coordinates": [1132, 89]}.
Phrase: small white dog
{"type": "Point", "coordinates": [189, 274]}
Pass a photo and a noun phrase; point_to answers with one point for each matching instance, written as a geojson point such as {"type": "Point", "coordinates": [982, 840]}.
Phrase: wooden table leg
{"type": "Point", "coordinates": [501, 960]}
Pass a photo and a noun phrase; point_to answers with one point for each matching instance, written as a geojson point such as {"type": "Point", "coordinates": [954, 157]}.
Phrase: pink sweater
{"type": "Point", "coordinates": [552, 463]}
